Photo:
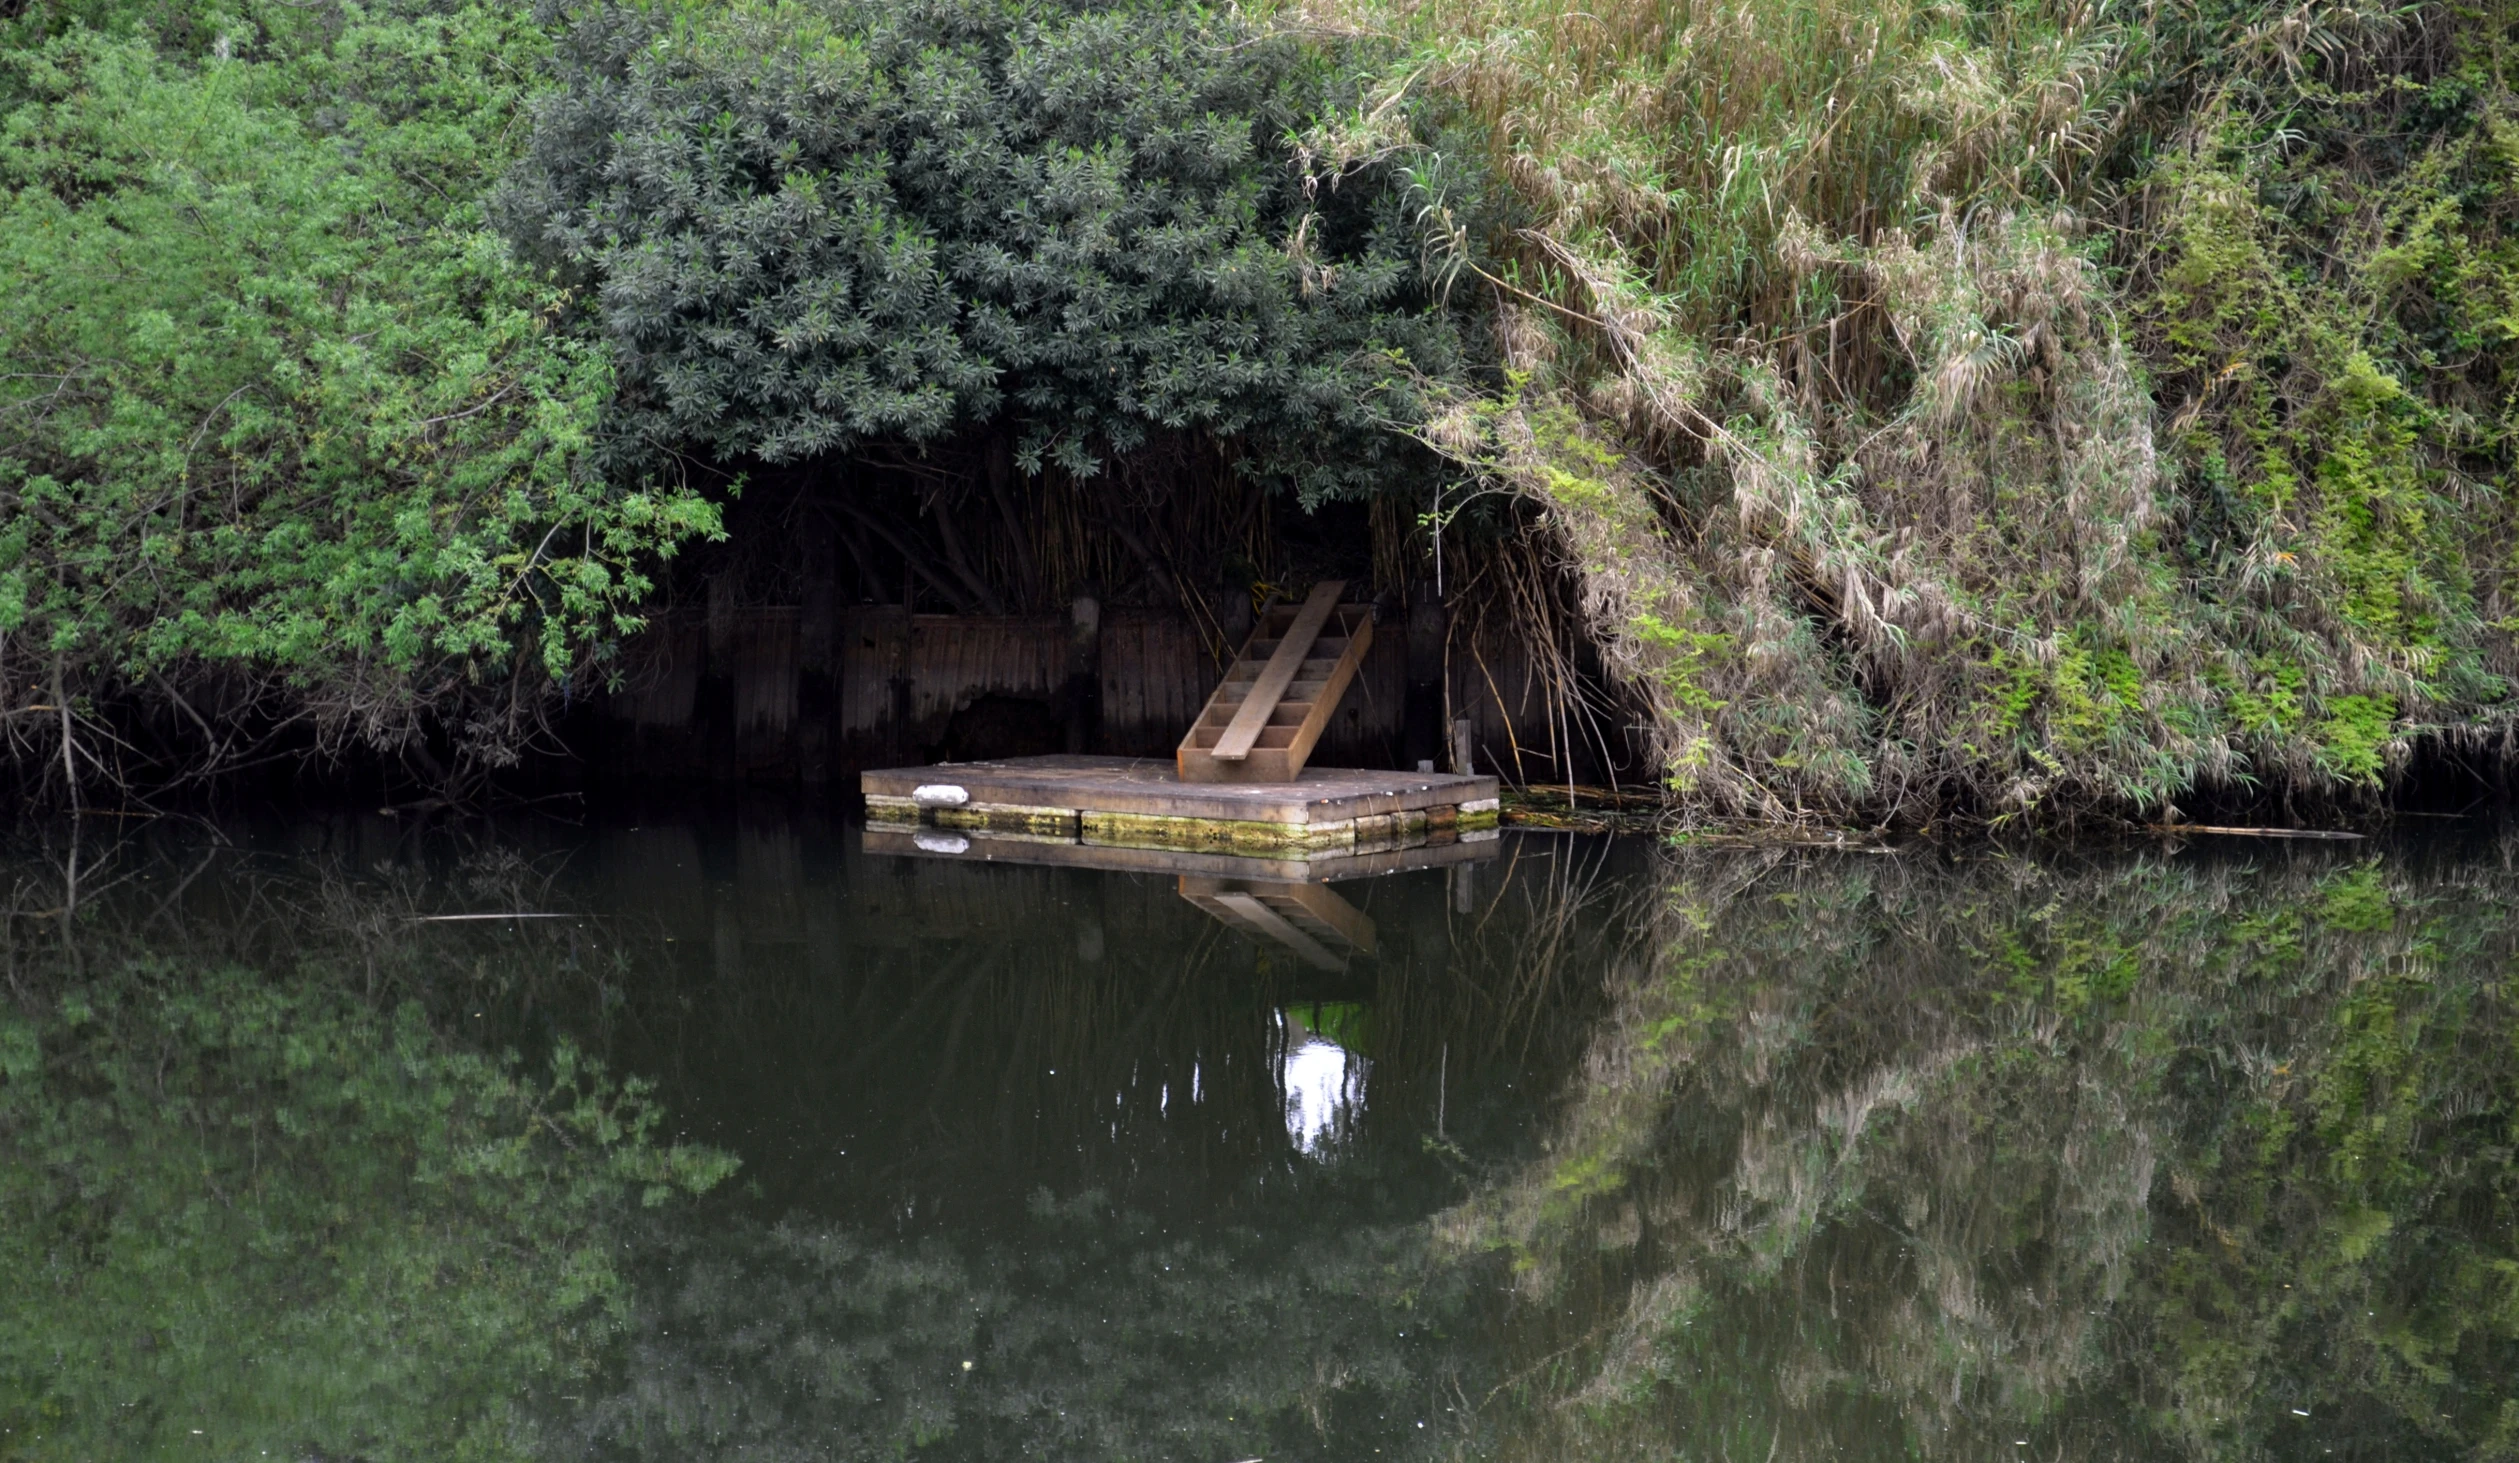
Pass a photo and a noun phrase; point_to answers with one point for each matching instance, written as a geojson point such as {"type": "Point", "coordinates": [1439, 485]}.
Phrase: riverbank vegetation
{"type": "Point", "coordinates": [2012, 407]}
{"type": "Point", "coordinates": [292, 450]}
{"type": "Point", "coordinates": [2015, 410]}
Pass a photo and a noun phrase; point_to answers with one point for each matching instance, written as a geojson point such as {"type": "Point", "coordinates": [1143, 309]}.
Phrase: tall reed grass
{"type": "Point", "coordinates": [1832, 338]}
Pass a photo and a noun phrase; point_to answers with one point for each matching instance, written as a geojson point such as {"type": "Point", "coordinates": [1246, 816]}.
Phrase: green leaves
{"type": "Point", "coordinates": [808, 227]}
{"type": "Point", "coordinates": [282, 405]}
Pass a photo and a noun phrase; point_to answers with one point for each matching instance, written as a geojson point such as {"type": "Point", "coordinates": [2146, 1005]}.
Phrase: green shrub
{"type": "Point", "coordinates": [286, 433]}
{"type": "Point", "coordinates": [806, 227]}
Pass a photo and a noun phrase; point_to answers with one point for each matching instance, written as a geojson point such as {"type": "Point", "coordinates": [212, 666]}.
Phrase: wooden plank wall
{"type": "Point", "coordinates": [663, 685]}
{"type": "Point", "coordinates": [1498, 688]}
{"type": "Point", "coordinates": [752, 695]}
{"type": "Point", "coordinates": [874, 652]}
{"type": "Point", "coordinates": [1155, 677]}
{"type": "Point", "coordinates": [1365, 730]}
{"type": "Point", "coordinates": [764, 659]}
{"type": "Point", "coordinates": [957, 659]}
{"type": "Point", "coordinates": [1499, 685]}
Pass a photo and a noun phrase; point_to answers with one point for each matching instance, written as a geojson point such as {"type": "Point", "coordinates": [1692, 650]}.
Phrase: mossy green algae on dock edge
{"type": "Point", "coordinates": [1151, 830]}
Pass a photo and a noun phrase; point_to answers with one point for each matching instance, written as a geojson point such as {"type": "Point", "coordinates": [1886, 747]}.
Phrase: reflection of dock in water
{"type": "Point", "coordinates": [1308, 919]}
{"type": "Point", "coordinates": [976, 846]}
{"type": "Point", "coordinates": [1282, 901]}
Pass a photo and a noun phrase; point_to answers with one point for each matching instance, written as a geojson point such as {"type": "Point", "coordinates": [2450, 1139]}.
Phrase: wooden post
{"type": "Point", "coordinates": [817, 659]}
{"type": "Point", "coordinates": [1421, 713]}
{"type": "Point", "coordinates": [896, 736]}
{"type": "Point", "coordinates": [721, 617]}
{"type": "Point", "coordinates": [713, 731]}
{"type": "Point", "coordinates": [1081, 698]}
{"type": "Point", "coordinates": [1461, 746]}
{"type": "Point", "coordinates": [873, 656]}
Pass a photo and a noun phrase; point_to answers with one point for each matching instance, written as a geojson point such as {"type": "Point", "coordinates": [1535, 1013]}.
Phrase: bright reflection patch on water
{"type": "Point", "coordinates": [1323, 1084]}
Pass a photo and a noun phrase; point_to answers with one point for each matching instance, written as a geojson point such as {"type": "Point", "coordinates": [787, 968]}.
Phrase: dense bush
{"type": "Point", "coordinates": [804, 228]}
{"type": "Point", "coordinates": [286, 434]}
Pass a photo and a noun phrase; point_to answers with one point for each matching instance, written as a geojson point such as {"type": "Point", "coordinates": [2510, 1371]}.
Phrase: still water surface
{"type": "Point", "coordinates": [766, 1147]}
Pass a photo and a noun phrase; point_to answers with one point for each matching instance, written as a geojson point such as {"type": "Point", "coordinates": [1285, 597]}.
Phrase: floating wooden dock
{"type": "Point", "coordinates": [1129, 802]}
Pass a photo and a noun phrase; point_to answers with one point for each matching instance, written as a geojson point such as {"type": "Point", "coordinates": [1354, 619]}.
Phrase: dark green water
{"type": "Point", "coordinates": [767, 1148]}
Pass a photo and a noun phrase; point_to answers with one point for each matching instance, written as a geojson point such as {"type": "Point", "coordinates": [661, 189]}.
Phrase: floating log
{"type": "Point", "coordinates": [2254, 832]}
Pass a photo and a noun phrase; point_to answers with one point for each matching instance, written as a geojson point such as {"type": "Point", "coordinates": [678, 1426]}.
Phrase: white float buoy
{"type": "Point", "coordinates": [939, 795]}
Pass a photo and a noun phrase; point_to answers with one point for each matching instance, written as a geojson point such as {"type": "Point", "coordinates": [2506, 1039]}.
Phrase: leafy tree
{"type": "Point", "coordinates": [287, 435]}
{"type": "Point", "coordinates": [808, 227]}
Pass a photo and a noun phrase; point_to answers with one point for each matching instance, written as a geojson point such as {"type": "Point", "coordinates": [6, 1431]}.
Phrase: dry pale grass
{"type": "Point", "coordinates": [1818, 389]}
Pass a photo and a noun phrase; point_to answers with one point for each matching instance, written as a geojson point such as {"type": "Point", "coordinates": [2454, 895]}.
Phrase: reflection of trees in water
{"type": "Point", "coordinates": [1090, 1333]}
{"type": "Point", "coordinates": [346, 898]}
{"type": "Point", "coordinates": [279, 1211]}
{"type": "Point", "coordinates": [1130, 1272]}
{"type": "Point", "coordinates": [2128, 1157]}
{"type": "Point", "coordinates": [2150, 1155]}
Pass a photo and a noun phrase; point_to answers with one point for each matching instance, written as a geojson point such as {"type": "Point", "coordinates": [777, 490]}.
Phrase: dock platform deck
{"type": "Point", "coordinates": [1130, 802]}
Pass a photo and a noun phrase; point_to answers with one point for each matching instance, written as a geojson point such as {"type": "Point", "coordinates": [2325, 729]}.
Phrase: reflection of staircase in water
{"type": "Point", "coordinates": [1321, 929]}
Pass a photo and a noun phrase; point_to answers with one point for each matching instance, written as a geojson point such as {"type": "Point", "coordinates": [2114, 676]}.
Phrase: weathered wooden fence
{"type": "Point", "coordinates": [776, 693]}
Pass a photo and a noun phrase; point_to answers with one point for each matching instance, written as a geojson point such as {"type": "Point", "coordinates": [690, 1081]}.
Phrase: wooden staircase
{"type": "Point", "coordinates": [1277, 697]}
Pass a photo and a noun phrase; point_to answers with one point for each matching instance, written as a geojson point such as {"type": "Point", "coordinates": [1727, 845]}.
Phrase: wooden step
{"type": "Point", "coordinates": [1276, 698]}
{"type": "Point", "coordinates": [1297, 705]}
{"type": "Point", "coordinates": [1315, 668]}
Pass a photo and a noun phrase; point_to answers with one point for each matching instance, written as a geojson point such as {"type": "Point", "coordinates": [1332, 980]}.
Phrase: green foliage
{"type": "Point", "coordinates": [285, 426]}
{"type": "Point", "coordinates": [2075, 407]}
{"type": "Point", "coordinates": [2327, 299]}
{"type": "Point", "coordinates": [2007, 407]}
{"type": "Point", "coordinates": [251, 1215]}
{"type": "Point", "coordinates": [805, 227]}
{"type": "Point", "coordinates": [2354, 735]}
